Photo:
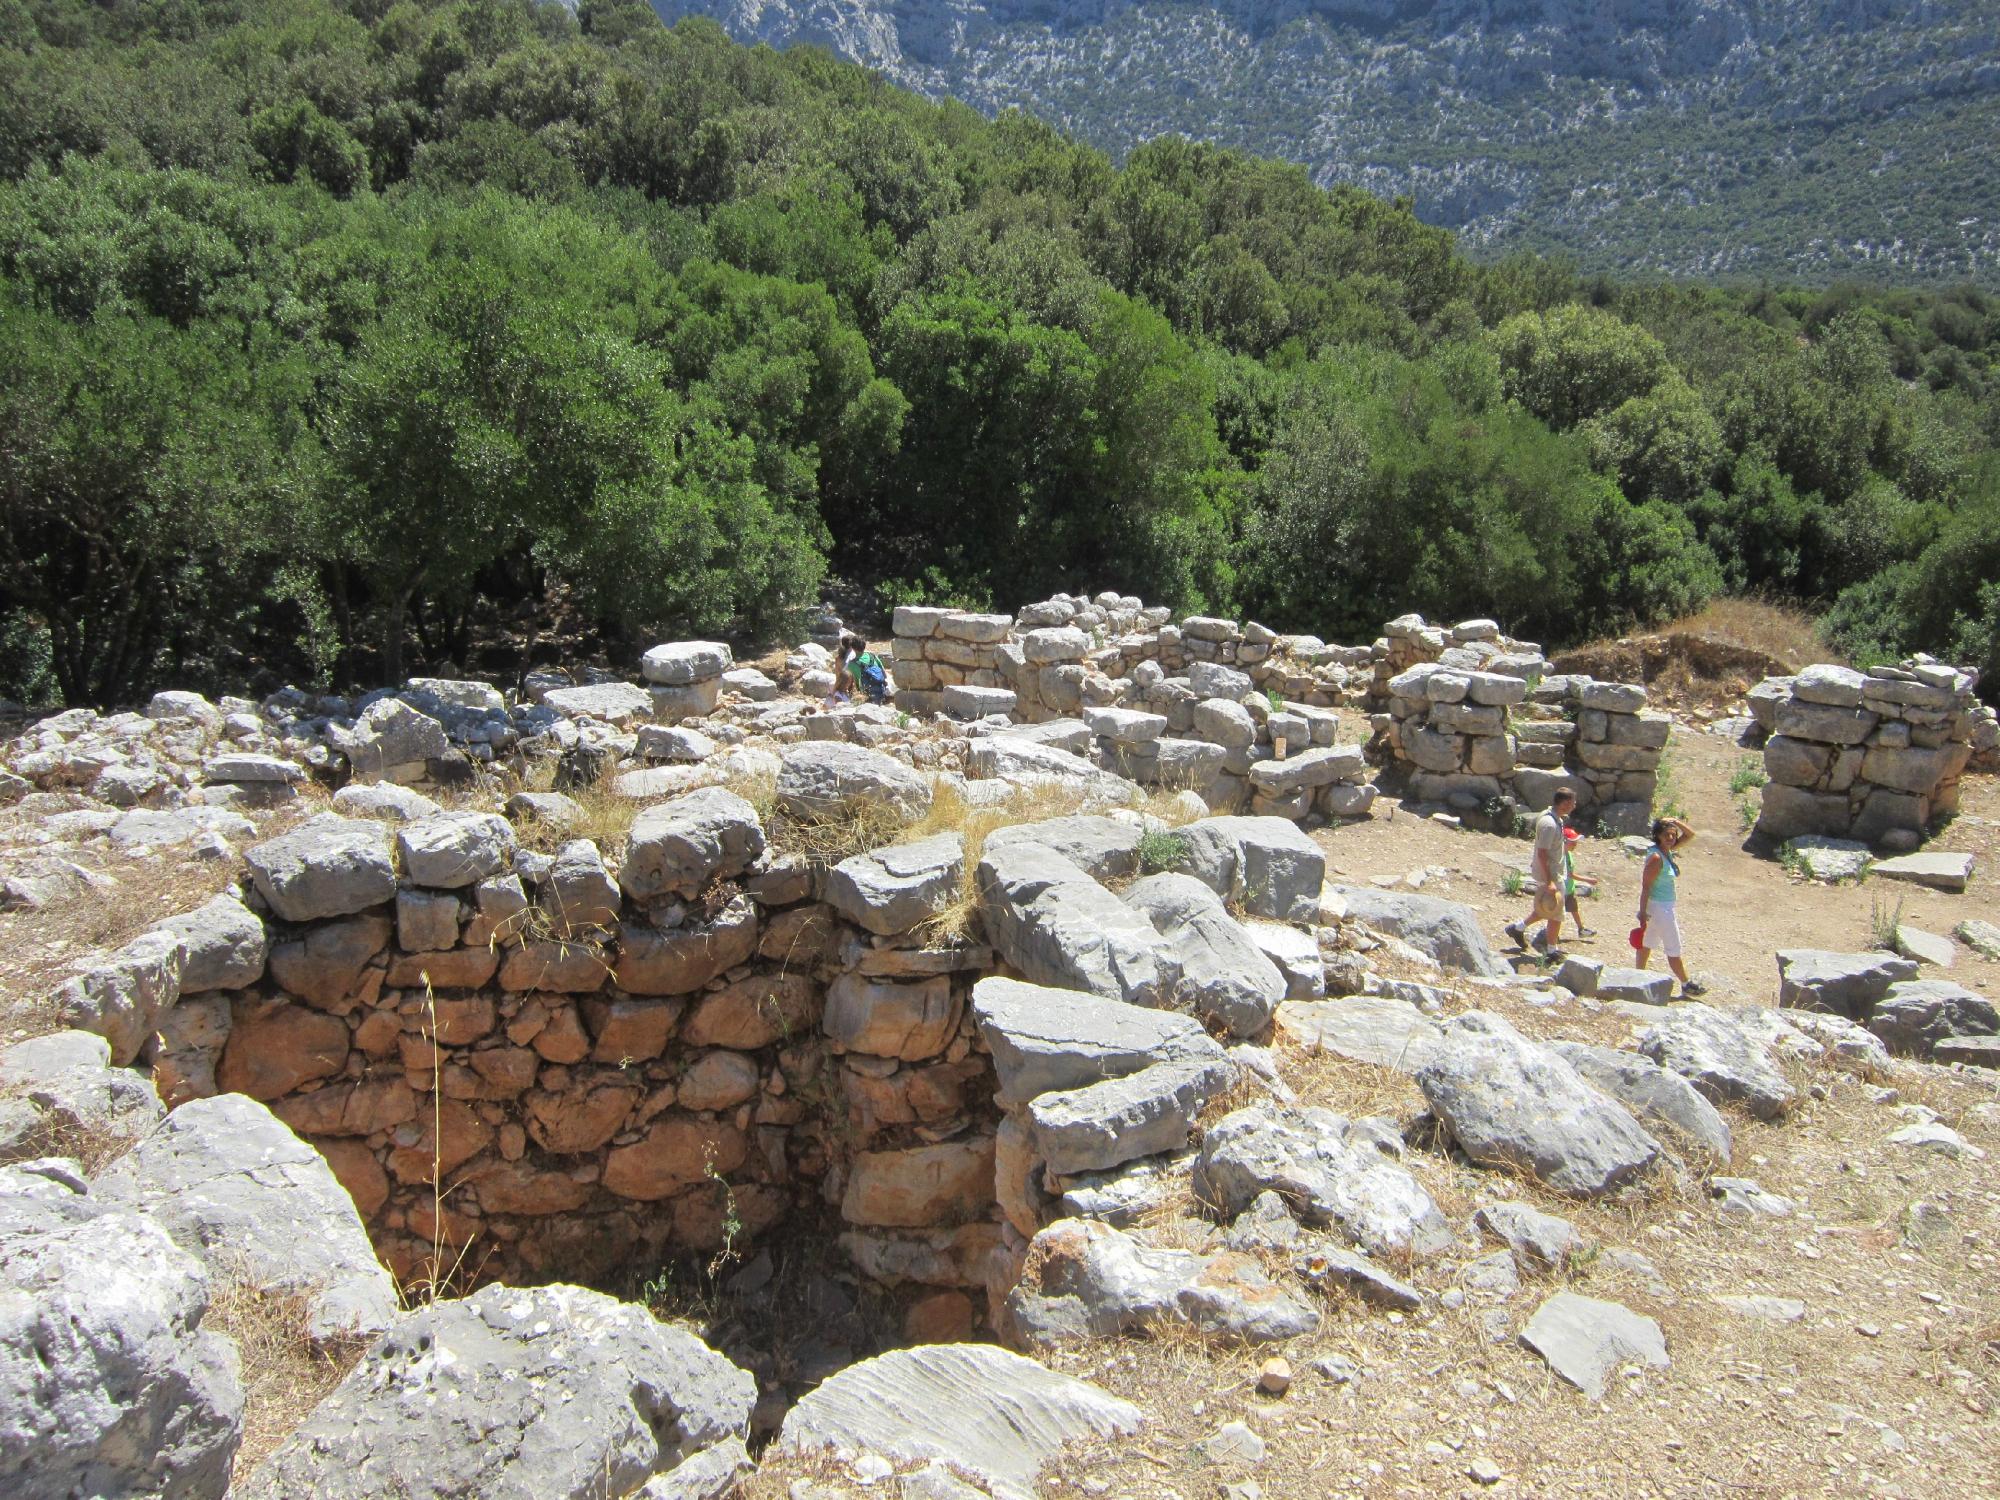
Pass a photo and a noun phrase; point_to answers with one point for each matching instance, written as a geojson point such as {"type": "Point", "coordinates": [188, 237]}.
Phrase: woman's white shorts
{"type": "Point", "coordinates": [1663, 929]}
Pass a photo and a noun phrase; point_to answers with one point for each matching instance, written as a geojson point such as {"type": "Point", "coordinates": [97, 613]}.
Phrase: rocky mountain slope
{"type": "Point", "coordinates": [1802, 138]}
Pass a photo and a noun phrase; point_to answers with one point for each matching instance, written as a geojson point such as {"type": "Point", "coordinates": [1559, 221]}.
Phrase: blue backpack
{"type": "Point", "coordinates": [869, 675]}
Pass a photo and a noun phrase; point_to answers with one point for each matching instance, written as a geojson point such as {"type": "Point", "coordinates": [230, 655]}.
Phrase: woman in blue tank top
{"type": "Point", "coordinates": [1659, 911]}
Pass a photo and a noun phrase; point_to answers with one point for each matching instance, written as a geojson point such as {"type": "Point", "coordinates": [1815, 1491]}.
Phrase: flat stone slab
{"type": "Point", "coordinates": [1103, 847]}
{"type": "Point", "coordinates": [1107, 1124]}
{"type": "Point", "coordinates": [1635, 986]}
{"type": "Point", "coordinates": [1830, 860]}
{"type": "Point", "coordinates": [613, 702]}
{"type": "Point", "coordinates": [1843, 984]}
{"type": "Point", "coordinates": [1941, 872]}
{"type": "Point", "coordinates": [1974, 1051]}
{"type": "Point", "coordinates": [1086, 1280]}
{"type": "Point", "coordinates": [961, 702]}
{"type": "Point", "coordinates": [1360, 1028]}
{"type": "Point", "coordinates": [1446, 930]}
{"type": "Point", "coordinates": [1584, 1340]}
{"type": "Point", "coordinates": [1056, 926]}
{"type": "Point", "coordinates": [1657, 1095]}
{"type": "Point", "coordinates": [1926, 947]}
{"type": "Point", "coordinates": [1511, 1102]}
{"type": "Point", "coordinates": [994, 1414]}
{"type": "Point", "coordinates": [1043, 1039]}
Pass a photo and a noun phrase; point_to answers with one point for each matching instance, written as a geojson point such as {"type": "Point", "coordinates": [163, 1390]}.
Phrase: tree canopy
{"type": "Point", "coordinates": [331, 323]}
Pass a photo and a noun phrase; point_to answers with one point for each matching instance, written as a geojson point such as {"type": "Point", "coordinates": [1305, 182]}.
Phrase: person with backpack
{"type": "Point", "coordinates": [1659, 891]}
{"type": "Point", "coordinates": [1546, 875]}
{"type": "Point", "coordinates": [864, 669]}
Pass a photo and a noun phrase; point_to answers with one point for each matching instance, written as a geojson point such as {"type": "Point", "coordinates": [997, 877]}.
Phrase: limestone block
{"type": "Point", "coordinates": [683, 663]}
{"type": "Point", "coordinates": [1822, 722]}
{"type": "Point", "coordinates": [883, 1018]}
{"type": "Point", "coordinates": [920, 1186]}
{"type": "Point", "coordinates": [327, 867]}
{"type": "Point", "coordinates": [455, 849]}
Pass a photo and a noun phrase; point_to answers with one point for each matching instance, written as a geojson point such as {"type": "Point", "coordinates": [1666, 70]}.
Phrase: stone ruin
{"type": "Point", "coordinates": [1244, 716]}
{"type": "Point", "coordinates": [619, 1064]}
{"type": "Point", "coordinates": [479, 1046]}
{"type": "Point", "coordinates": [1475, 720]}
{"type": "Point", "coordinates": [1872, 756]}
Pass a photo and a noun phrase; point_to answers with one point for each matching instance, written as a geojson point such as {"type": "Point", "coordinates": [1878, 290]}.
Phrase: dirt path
{"type": "Point", "coordinates": [1737, 909]}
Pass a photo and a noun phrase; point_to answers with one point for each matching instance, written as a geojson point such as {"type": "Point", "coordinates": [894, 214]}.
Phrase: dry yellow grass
{"type": "Point", "coordinates": [1712, 657]}
{"type": "Point", "coordinates": [1782, 630]}
{"type": "Point", "coordinates": [41, 949]}
{"type": "Point", "coordinates": [285, 1372]}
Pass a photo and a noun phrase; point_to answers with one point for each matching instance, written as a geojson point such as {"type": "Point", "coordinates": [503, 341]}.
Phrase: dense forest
{"type": "Point", "coordinates": [325, 321]}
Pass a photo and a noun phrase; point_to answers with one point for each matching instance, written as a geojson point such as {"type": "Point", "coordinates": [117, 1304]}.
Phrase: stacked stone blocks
{"type": "Point", "coordinates": [551, 1067]}
{"type": "Point", "coordinates": [1874, 756]}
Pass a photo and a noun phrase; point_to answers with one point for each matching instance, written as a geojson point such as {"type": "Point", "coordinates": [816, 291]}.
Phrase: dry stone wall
{"type": "Point", "coordinates": [1470, 717]}
{"type": "Point", "coordinates": [1245, 717]}
{"type": "Point", "coordinates": [1186, 706]}
{"type": "Point", "coordinates": [1874, 756]}
{"type": "Point", "coordinates": [534, 1064]}
{"type": "Point", "coordinates": [551, 1069]}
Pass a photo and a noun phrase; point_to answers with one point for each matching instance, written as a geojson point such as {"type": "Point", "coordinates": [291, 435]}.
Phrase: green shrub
{"type": "Point", "coordinates": [1161, 850]}
{"type": "Point", "coordinates": [1748, 776]}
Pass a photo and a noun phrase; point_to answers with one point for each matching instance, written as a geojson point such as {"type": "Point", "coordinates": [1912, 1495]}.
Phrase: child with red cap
{"type": "Point", "coordinates": [1571, 838]}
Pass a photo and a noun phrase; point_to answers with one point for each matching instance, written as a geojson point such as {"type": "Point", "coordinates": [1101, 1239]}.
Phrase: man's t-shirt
{"type": "Point", "coordinates": [1549, 848]}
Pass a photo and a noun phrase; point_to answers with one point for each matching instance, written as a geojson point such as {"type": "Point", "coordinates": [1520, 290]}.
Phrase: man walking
{"type": "Point", "coordinates": [1547, 876]}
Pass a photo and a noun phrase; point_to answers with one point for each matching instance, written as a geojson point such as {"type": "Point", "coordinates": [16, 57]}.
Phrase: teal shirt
{"type": "Point", "coordinates": [1663, 883]}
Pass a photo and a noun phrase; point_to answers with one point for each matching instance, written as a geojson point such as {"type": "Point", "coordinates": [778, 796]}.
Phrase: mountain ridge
{"type": "Point", "coordinates": [1811, 139]}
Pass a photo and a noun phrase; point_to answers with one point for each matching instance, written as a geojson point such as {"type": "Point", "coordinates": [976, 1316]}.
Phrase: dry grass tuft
{"type": "Point", "coordinates": [1352, 1089]}
{"type": "Point", "coordinates": [855, 827]}
{"type": "Point", "coordinates": [285, 1371]}
{"type": "Point", "coordinates": [41, 949]}
{"type": "Point", "coordinates": [1781, 630]}
{"type": "Point", "coordinates": [91, 1145]}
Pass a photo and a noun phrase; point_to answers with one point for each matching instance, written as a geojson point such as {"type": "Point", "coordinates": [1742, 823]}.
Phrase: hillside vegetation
{"type": "Point", "coordinates": [325, 324]}
{"type": "Point", "coordinates": [1801, 139]}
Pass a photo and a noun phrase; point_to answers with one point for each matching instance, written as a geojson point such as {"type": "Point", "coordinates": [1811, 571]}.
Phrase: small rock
{"type": "Point", "coordinates": [1982, 937]}
{"type": "Point", "coordinates": [1939, 1139]}
{"type": "Point", "coordinates": [1766, 1309]}
{"type": "Point", "coordinates": [1233, 1444]}
{"type": "Point", "coordinates": [1539, 1241]}
{"type": "Point", "coordinates": [1275, 1378]}
{"type": "Point", "coordinates": [1338, 1368]}
{"type": "Point", "coordinates": [1584, 1339]}
{"type": "Point", "coordinates": [1329, 1262]}
{"type": "Point", "coordinates": [1483, 1471]}
{"type": "Point", "coordinates": [1739, 1197]}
